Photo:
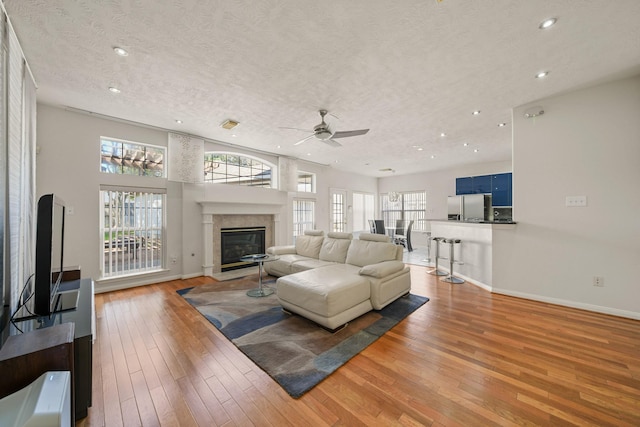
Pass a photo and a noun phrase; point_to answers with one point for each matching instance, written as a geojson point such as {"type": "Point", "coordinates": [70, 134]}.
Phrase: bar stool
{"type": "Point", "coordinates": [428, 258]}
{"type": "Point", "coordinates": [451, 278]}
{"type": "Point", "coordinates": [435, 271]}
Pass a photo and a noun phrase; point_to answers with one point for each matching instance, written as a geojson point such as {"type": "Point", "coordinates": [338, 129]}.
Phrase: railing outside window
{"type": "Point", "coordinates": [132, 228]}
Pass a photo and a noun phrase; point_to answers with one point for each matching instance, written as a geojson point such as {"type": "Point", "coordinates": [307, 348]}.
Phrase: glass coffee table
{"type": "Point", "coordinates": [260, 291]}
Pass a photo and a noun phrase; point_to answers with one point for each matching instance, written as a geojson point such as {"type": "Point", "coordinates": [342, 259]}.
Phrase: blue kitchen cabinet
{"type": "Point", "coordinates": [464, 185]}
{"type": "Point", "coordinates": [501, 189]}
{"type": "Point", "coordinates": [482, 184]}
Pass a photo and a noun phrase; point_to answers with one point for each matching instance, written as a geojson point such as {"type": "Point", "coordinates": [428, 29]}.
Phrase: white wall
{"type": "Point", "coordinates": [586, 144]}
{"type": "Point", "coordinates": [68, 164]}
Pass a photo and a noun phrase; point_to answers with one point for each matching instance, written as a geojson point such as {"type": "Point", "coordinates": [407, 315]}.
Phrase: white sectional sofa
{"type": "Point", "coordinates": [334, 279]}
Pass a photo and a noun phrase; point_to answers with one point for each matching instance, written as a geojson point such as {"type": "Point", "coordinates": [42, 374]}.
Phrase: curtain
{"type": "Point", "coordinates": [20, 166]}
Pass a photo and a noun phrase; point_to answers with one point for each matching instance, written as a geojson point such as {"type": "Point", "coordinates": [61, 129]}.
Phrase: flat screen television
{"type": "Point", "coordinates": [49, 253]}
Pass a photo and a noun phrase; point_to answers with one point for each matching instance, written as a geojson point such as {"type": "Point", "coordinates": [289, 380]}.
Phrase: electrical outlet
{"type": "Point", "coordinates": [174, 259]}
{"type": "Point", "coordinates": [598, 281]}
{"type": "Point", "coordinates": [575, 201]}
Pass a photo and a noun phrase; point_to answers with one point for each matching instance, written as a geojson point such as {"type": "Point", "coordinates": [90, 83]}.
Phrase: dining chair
{"type": "Point", "coordinates": [404, 238]}
{"type": "Point", "coordinates": [380, 226]}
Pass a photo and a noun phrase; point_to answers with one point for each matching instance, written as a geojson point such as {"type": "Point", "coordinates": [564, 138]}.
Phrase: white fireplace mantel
{"type": "Point", "coordinates": [209, 209]}
{"type": "Point", "coordinates": [236, 208]}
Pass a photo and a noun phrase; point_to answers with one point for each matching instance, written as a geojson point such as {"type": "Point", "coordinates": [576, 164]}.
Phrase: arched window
{"type": "Point", "coordinates": [231, 168]}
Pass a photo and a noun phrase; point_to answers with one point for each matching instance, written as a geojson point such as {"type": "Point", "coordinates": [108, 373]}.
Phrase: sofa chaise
{"type": "Point", "coordinates": [333, 279]}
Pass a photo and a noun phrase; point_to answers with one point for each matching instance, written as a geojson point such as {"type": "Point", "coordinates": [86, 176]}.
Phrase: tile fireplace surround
{"type": "Point", "coordinates": [218, 215]}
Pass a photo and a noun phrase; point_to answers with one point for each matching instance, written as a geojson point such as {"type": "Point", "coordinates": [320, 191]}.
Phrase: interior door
{"type": "Point", "coordinates": [338, 219]}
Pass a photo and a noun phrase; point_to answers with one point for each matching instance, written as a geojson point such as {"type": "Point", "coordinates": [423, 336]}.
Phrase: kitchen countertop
{"type": "Point", "coordinates": [454, 221]}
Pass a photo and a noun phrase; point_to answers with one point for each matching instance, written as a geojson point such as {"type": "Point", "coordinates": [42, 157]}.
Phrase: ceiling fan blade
{"type": "Point", "coordinates": [332, 143]}
{"type": "Point", "coordinates": [304, 139]}
{"type": "Point", "coordinates": [347, 133]}
{"type": "Point", "coordinates": [303, 130]}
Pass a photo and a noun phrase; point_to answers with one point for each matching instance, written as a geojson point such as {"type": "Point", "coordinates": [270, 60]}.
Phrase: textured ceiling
{"type": "Point", "coordinates": [408, 70]}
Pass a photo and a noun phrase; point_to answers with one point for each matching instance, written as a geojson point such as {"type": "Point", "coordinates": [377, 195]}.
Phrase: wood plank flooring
{"type": "Point", "coordinates": [466, 358]}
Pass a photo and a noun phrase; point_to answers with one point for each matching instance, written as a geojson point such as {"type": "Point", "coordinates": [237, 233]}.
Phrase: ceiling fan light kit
{"type": "Point", "coordinates": [323, 132]}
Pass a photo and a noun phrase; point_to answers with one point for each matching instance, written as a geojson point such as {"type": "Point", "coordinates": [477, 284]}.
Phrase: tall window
{"type": "Point", "coordinates": [363, 210]}
{"type": "Point", "coordinates": [409, 206]}
{"type": "Point", "coordinates": [131, 158]}
{"type": "Point", "coordinates": [306, 182]}
{"type": "Point", "coordinates": [132, 227]}
{"type": "Point", "coordinates": [225, 168]}
{"type": "Point", "coordinates": [303, 216]}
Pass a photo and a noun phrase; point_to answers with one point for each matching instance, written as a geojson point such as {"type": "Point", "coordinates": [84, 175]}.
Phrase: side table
{"type": "Point", "coordinates": [260, 291]}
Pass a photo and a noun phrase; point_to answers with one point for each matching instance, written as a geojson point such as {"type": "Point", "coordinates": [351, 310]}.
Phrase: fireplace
{"type": "Point", "coordinates": [236, 242]}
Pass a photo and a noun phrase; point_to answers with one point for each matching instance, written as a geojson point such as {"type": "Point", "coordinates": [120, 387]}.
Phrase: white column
{"type": "Point", "coordinates": [207, 243]}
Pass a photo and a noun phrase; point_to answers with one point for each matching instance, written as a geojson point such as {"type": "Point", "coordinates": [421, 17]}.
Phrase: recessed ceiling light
{"type": "Point", "coordinates": [114, 89]}
{"type": "Point", "coordinates": [120, 51]}
{"type": "Point", "coordinates": [475, 113]}
{"type": "Point", "coordinates": [475, 150]}
{"type": "Point", "coordinates": [278, 146]}
{"type": "Point", "coordinates": [420, 149]}
{"type": "Point", "coordinates": [547, 23]}
{"type": "Point", "coordinates": [234, 135]}
{"type": "Point", "coordinates": [466, 144]}
{"type": "Point", "coordinates": [502, 125]}
{"type": "Point", "coordinates": [308, 154]}
{"type": "Point", "coordinates": [433, 156]}
{"type": "Point", "coordinates": [443, 134]}
{"type": "Point", "coordinates": [542, 74]}
{"type": "Point", "coordinates": [179, 121]}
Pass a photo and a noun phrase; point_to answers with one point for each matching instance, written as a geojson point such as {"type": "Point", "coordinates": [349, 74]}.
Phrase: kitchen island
{"type": "Point", "coordinates": [475, 250]}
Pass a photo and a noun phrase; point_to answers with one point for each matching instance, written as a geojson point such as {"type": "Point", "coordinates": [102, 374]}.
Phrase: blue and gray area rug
{"type": "Point", "coordinates": [294, 351]}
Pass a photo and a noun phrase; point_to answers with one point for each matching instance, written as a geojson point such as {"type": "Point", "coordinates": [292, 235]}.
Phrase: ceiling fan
{"type": "Point", "coordinates": [326, 135]}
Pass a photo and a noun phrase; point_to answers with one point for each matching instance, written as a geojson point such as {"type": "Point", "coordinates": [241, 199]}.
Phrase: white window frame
{"type": "Point", "coordinates": [302, 185]}
{"type": "Point", "coordinates": [147, 162]}
{"type": "Point", "coordinates": [235, 179]}
{"type": "Point", "coordinates": [338, 210]}
{"type": "Point", "coordinates": [137, 248]}
{"type": "Point", "coordinates": [392, 211]}
{"type": "Point", "coordinates": [307, 209]}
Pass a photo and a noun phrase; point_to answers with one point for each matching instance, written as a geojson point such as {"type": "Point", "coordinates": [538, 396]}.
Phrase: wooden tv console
{"type": "Point", "coordinates": [45, 339]}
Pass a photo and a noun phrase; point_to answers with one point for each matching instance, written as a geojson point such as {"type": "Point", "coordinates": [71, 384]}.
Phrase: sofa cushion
{"type": "Point", "coordinates": [309, 246]}
{"type": "Point", "coordinates": [365, 252]}
{"type": "Point", "coordinates": [382, 269]}
{"type": "Point", "coordinates": [308, 264]}
{"type": "Point", "coordinates": [374, 237]}
{"type": "Point", "coordinates": [334, 247]}
{"type": "Point", "coordinates": [326, 291]}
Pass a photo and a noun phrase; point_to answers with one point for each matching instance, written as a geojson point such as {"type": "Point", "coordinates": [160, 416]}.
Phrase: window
{"type": "Point", "coordinates": [131, 158]}
{"type": "Point", "coordinates": [306, 182]}
{"type": "Point", "coordinates": [363, 211]}
{"type": "Point", "coordinates": [226, 168]}
{"type": "Point", "coordinates": [410, 206]}
{"type": "Point", "coordinates": [303, 216]}
{"type": "Point", "coordinates": [132, 227]}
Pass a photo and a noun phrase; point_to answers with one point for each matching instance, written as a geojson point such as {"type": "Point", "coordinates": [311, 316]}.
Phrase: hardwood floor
{"type": "Point", "coordinates": [466, 358]}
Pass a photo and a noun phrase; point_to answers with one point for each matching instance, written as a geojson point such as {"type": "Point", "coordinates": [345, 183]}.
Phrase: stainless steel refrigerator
{"type": "Point", "coordinates": [477, 207]}
{"type": "Point", "coordinates": [470, 207]}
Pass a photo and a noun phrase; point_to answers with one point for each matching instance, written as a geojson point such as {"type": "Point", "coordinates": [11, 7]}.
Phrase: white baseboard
{"type": "Point", "coordinates": [126, 283]}
{"type": "Point", "coordinates": [572, 304]}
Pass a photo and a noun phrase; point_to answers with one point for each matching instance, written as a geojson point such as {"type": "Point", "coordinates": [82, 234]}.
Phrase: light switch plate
{"type": "Point", "coordinates": [576, 201]}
